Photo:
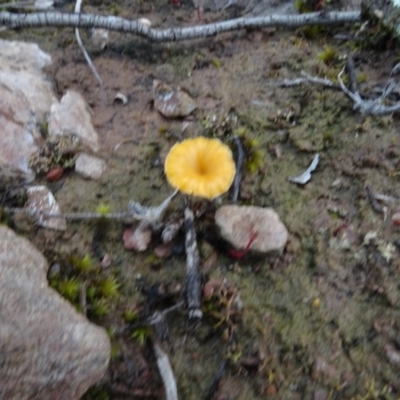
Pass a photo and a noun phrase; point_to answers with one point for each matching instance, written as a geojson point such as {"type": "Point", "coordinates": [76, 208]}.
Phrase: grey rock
{"type": "Point", "coordinates": [170, 102]}
{"type": "Point", "coordinates": [261, 227]}
{"type": "Point", "coordinates": [40, 199]}
{"type": "Point", "coordinates": [25, 99]}
{"type": "Point", "coordinates": [16, 146]}
{"type": "Point", "coordinates": [72, 115]}
{"type": "Point", "coordinates": [21, 71]}
{"type": "Point", "coordinates": [48, 350]}
{"type": "Point", "coordinates": [90, 167]}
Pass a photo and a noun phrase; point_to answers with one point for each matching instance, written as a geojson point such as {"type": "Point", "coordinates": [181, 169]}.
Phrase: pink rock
{"type": "Point", "coordinates": [257, 226]}
{"type": "Point", "coordinates": [137, 239]}
{"type": "Point", "coordinates": [163, 250]}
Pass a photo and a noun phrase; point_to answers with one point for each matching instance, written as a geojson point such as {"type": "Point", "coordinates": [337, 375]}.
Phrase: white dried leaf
{"type": "Point", "coordinates": [306, 175]}
{"type": "Point", "coordinates": [120, 98]}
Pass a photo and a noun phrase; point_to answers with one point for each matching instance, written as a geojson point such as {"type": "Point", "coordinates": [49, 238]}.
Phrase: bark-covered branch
{"type": "Point", "coordinates": [59, 19]}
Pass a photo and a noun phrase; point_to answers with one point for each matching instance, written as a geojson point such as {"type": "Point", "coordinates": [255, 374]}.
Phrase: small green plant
{"type": "Point", "coordinates": [361, 77]}
{"type": "Point", "coordinates": [216, 63]}
{"type": "Point", "coordinates": [69, 288]}
{"type": "Point", "coordinates": [373, 392]}
{"type": "Point", "coordinates": [115, 351]}
{"type": "Point", "coordinates": [130, 316]}
{"type": "Point", "coordinates": [140, 334]}
{"type": "Point", "coordinates": [328, 55]}
{"type": "Point", "coordinates": [109, 288]}
{"type": "Point", "coordinates": [101, 308]}
{"type": "Point", "coordinates": [83, 264]}
{"type": "Point", "coordinates": [91, 292]}
{"type": "Point", "coordinates": [162, 130]}
{"type": "Point", "coordinates": [254, 155]}
{"type": "Point", "coordinates": [44, 129]}
{"type": "Point", "coordinates": [103, 209]}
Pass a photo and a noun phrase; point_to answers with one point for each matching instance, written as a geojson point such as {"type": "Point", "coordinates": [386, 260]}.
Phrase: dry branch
{"type": "Point", "coordinates": [58, 19]}
{"type": "Point", "coordinates": [372, 107]}
{"type": "Point", "coordinates": [78, 6]}
{"type": "Point", "coordinates": [239, 166]}
{"type": "Point", "coordinates": [306, 78]}
{"type": "Point", "coordinates": [166, 373]}
{"type": "Point", "coordinates": [193, 281]}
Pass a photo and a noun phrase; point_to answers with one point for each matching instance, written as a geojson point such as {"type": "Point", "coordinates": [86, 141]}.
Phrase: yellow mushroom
{"type": "Point", "coordinates": [200, 167]}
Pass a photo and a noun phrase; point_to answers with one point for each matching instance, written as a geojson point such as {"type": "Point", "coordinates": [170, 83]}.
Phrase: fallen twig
{"type": "Point", "coordinates": [166, 373]}
{"type": "Point", "coordinates": [136, 211]}
{"type": "Point", "coordinates": [306, 79]}
{"type": "Point", "coordinates": [239, 166]}
{"type": "Point", "coordinates": [214, 386]}
{"type": "Point", "coordinates": [157, 319]}
{"type": "Point", "coordinates": [82, 47]}
{"type": "Point", "coordinates": [152, 215]}
{"type": "Point", "coordinates": [351, 72]}
{"type": "Point", "coordinates": [366, 106]}
{"type": "Point", "coordinates": [371, 107]}
{"type": "Point", "coordinates": [386, 198]}
{"type": "Point", "coordinates": [57, 19]}
{"type": "Point", "coordinates": [78, 215]}
{"type": "Point", "coordinates": [193, 284]}
{"type": "Point", "coordinates": [29, 5]}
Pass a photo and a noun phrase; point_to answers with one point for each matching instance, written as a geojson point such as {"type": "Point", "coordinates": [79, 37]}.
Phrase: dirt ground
{"type": "Point", "coordinates": [319, 321]}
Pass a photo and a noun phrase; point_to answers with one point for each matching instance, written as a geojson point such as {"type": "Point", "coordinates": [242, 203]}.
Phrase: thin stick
{"type": "Point", "coordinates": [351, 72]}
{"type": "Point", "coordinates": [158, 317]}
{"type": "Point", "coordinates": [366, 106]}
{"type": "Point", "coordinates": [214, 386]}
{"type": "Point", "coordinates": [370, 107]}
{"type": "Point", "coordinates": [78, 216]}
{"type": "Point", "coordinates": [306, 79]}
{"type": "Point", "coordinates": [136, 211]}
{"type": "Point", "coordinates": [167, 375]}
{"type": "Point", "coordinates": [78, 6]}
{"type": "Point", "coordinates": [239, 166]}
{"type": "Point", "coordinates": [193, 284]}
{"type": "Point", "coordinates": [57, 19]}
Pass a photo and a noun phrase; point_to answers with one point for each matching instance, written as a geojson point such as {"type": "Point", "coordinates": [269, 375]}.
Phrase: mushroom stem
{"type": "Point", "coordinates": [193, 282]}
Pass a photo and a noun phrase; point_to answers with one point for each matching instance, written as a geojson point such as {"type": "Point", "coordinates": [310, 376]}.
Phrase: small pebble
{"type": "Point", "coordinates": [55, 174]}
{"type": "Point", "coordinates": [163, 250]}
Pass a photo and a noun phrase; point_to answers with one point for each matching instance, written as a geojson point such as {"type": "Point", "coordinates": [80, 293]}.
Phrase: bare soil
{"type": "Point", "coordinates": [319, 321]}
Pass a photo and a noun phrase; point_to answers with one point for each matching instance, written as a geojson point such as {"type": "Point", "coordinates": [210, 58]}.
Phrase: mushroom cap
{"type": "Point", "coordinates": [200, 167]}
